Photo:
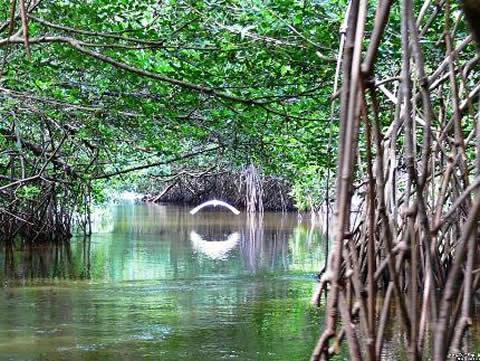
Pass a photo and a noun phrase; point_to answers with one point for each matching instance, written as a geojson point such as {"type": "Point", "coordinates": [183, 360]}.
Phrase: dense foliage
{"type": "Point", "coordinates": [118, 92]}
{"type": "Point", "coordinates": [123, 94]}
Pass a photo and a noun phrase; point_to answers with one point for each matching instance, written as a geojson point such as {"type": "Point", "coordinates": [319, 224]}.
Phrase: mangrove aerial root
{"type": "Point", "coordinates": [406, 221]}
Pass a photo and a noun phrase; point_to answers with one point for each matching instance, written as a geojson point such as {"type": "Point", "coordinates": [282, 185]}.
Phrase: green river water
{"type": "Point", "coordinates": [155, 283]}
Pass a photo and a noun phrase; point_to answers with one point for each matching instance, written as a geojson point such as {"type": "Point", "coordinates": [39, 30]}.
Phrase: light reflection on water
{"type": "Point", "coordinates": [155, 283]}
{"type": "Point", "coordinates": [145, 288]}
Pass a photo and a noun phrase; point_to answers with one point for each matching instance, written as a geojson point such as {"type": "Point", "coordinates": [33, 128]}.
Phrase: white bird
{"type": "Point", "coordinates": [215, 202]}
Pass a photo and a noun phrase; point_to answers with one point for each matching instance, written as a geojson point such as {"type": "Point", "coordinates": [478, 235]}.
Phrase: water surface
{"type": "Point", "coordinates": [155, 283]}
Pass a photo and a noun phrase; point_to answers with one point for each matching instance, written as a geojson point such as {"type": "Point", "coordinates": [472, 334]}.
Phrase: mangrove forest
{"type": "Point", "coordinates": [204, 180]}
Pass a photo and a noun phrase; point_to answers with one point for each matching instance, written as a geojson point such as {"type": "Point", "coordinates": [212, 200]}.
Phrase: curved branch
{"type": "Point", "coordinates": [82, 47]}
{"type": "Point", "coordinates": [155, 164]}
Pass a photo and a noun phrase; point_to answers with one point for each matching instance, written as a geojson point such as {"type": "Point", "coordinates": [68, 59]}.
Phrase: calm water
{"type": "Point", "coordinates": [155, 283]}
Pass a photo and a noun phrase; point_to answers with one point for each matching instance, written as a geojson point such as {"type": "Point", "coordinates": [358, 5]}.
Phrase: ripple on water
{"type": "Point", "coordinates": [142, 290]}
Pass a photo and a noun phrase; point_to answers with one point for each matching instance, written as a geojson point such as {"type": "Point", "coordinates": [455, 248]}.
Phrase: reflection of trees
{"type": "Point", "coordinates": [264, 247]}
{"type": "Point", "coordinates": [9, 262]}
{"type": "Point", "coordinates": [269, 243]}
{"type": "Point", "coordinates": [86, 259]}
{"type": "Point", "coordinates": [46, 262]}
{"type": "Point", "coordinates": [50, 261]}
{"type": "Point", "coordinates": [282, 246]}
{"type": "Point", "coordinates": [307, 253]}
{"type": "Point", "coordinates": [153, 242]}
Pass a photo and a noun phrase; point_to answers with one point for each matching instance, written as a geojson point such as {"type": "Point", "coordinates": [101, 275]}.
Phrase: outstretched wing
{"type": "Point", "coordinates": [215, 202]}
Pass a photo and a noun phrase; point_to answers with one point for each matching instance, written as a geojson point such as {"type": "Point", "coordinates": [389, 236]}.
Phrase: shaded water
{"type": "Point", "coordinates": [155, 283]}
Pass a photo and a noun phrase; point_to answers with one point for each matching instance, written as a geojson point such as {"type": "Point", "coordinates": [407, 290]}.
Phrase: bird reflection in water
{"type": "Point", "coordinates": [217, 250]}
